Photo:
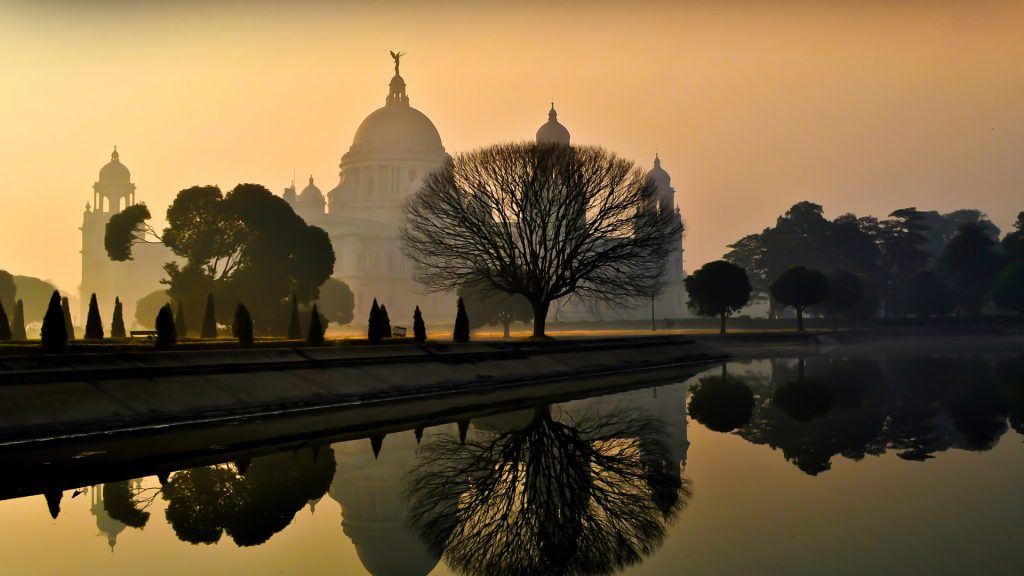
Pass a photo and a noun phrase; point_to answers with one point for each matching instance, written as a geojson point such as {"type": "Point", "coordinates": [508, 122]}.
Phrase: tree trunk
{"type": "Point", "coordinates": [540, 316]}
{"type": "Point", "coordinates": [800, 319]}
{"type": "Point", "coordinates": [722, 329]}
{"type": "Point", "coordinates": [504, 326]}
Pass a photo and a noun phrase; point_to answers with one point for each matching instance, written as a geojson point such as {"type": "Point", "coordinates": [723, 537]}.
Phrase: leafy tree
{"type": "Point", "coordinates": [5, 325]}
{"type": "Point", "coordinates": [294, 330]}
{"type": "Point", "coordinates": [1013, 243]}
{"type": "Point", "coordinates": [316, 330]}
{"type": "Point", "coordinates": [461, 332]}
{"type": "Point", "coordinates": [54, 331]}
{"type": "Point", "coordinates": [121, 503]}
{"type": "Point", "coordinates": [242, 326]}
{"type": "Point", "coordinates": [970, 263]}
{"type": "Point", "coordinates": [491, 307]}
{"type": "Point", "coordinates": [36, 294]}
{"type": "Point", "coordinates": [904, 244]}
{"type": "Point", "coordinates": [147, 307]}
{"type": "Point", "coordinates": [374, 333]}
{"type": "Point", "coordinates": [419, 330]}
{"type": "Point", "coordinates": [845, 291]}
{"type": "Point", "coordinates": [8, 290]}
{"type": "Point", "coordinates": [180, 323]}
{"type": "Point", "coordinates": [246, 246]}
{"type": "Point", "coordinates": [93, 323]}
{"type": "Point", "coordinates": [749, 254]}
{"type": "Point", "coordinates": [541, 220]}
{"type": "Point", "coordinates": [166, 331]}
{"type": "Point", "coordinates": [800, 287]}
{"type": "Point", "coordinates": [718, 288]}
{"type": "Point", "coordinates": [68, 326]}
{"type": "Point", "coordinates": [18, 326]}
{"type": "Point", "coordinates": [336, 301]}
{"type": "Point", "coordinates": [1009, 290]}
{"type": "Point", "coordinates": [929, 295]}
{"type": "Point", "coordinates": [385, 322]}
{"type": "Point", "coordinates": [209, 319]}
{"type": "Point", "coordinates": [117, 323]}
{"type": "Point", "coordinates": [721, 403]}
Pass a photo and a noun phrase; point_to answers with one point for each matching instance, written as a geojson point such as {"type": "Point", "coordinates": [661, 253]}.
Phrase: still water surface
{"type": "Point", "coordinates": [866, 465]}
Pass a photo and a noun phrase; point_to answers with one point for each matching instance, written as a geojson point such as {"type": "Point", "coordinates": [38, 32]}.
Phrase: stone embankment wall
{"type": "Point", "coordinates": [44, 396]}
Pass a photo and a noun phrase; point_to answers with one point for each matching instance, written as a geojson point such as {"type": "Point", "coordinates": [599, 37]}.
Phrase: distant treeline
{"type": "Point", "coordinates": [913, 263]}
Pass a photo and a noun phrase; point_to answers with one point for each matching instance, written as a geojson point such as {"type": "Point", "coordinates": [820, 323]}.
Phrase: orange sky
{"type": "Point", "coordinates": [863, 106]}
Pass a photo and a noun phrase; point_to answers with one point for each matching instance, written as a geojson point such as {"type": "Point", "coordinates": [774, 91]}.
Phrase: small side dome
{"type": "Point", "coordinates": [659, 175]}
{"type": "Point", "coordinates": [311, 193]}
{"type": "Point", "coordinates": [114, 171]}
{"type": "Point", "coordinates": [552, 132]}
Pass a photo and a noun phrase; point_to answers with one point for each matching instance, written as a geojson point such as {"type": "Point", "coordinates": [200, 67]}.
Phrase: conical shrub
{"type": "Point", "coordinates": [166, 332]}
{"type": "Point", "coordinates": [373, 333]}
{"type": "Point", "coordinates": [69, 328]}
{"type": "Point", "coordinates": [419, 330]}
{"type": "Point", "coordinates": [54, 331]}
{"type": "Point", "coordinates": [316, 329]}
{"type": "Point", "coordinates": [93, 323]}
{"type": "Point", "coordinates": [18, 326]}
{"type": "Point", "coordinates": [209, 319]}
{"type": "Point", "coordinates": [242, 326]}
{"type": "Point", "coordinates": [461, 332]}
{"type": "Point", "coordinates": [117, 321]}
{"type": "Point", "coordinates": [180, 324]}
{"type": "Point", "coordinates": [385, 322]}
{"type": "Point", "coordinates": [5, 325]}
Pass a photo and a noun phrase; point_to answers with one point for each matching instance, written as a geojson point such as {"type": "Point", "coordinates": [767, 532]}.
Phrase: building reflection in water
{"type": "Point", "coordinates": [578, 488]}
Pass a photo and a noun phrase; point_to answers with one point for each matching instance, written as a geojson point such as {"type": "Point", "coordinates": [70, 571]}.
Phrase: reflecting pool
{"type": "Point", "coordinates": [820, 464]}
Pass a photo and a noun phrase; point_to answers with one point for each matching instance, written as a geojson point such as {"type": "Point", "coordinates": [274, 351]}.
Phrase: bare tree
{"type": "Point", "coordinates": [542, 220]}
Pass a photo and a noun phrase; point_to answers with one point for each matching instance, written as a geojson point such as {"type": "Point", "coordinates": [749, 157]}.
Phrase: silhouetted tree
{"type": "Point", "coordinates": [294, 330]}
{"type": "Point", "coordinates": [180, 323]}
{"type": "Point", "coordinates": [385, 322]}
{"type": "Point", "coordinates": [374, 334]}
{"type": "Point", "coordinates": [36, 295]}
{"type": "Point", "coordinates": [970, 263]}
{"type": "Point", "coordinates": [544, 221]}
{"type": "Point", "coordinates": [166, 331]}
{"type": "Point", "coordinates": [18, 324]}
{"type": "Point", "coordinates": [242, 326]}
{"type": "Point", "coordinates": [5, 325]}
{"type": "Point", "coordinates": [209, 319]}
{"type": "Point", "coordinates": [247, 246]}
{"type": "Point", "coordinates": [419, 330]}
{"type": "Point", "coordinates": [929, 295]}
{"type": "Point", "coordinates": [585, 496]}
{"type": "Point", "coordinates": [93, 323]}
{"type": "Point", "coordinates": [719, 289]}
{"type": "Point", "coordinates": [904, 244]}
{"type": "Point", "coordinates": [66, 310]}
{"type": "Point", "coordinates": [461, 331]}
{"type": "Point", "coordinates": [492, 307]}
{"type": "Point", "coordinates": [845, 291]}
{"type": "Point", "coordinates": [803, 399]}
{"type": "Point", "coordinates": [800, 287]}
{"type": "Point", "coordinates": [336, 301]}
{"type": "Point", "coordinates": [1013, 243]}
{"type": "Point", "coordinates": [8, 290]}
{"type": "Point", "coordinates": [122, 504]}
{"type": "Point", "coordinates": [1009, 290]}
{"type": "Point", "coordinates": [316, 330]}
{"type": "Point", "coordinates": [721, 403]}
{"type": "Point", "coordinates": [54, 330]}
{"type": "Point", "coordinates": [117, 321]}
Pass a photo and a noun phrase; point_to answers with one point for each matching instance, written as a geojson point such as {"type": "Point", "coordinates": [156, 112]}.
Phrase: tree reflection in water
{"type": "Point", "coordinates": [721, 403]}
{"type": "Point", "coordinates": [589, 496]}
{"type": "Point", "coordinates": [203, 503]}
{"type": "Point", "coordinates": [914, 405]}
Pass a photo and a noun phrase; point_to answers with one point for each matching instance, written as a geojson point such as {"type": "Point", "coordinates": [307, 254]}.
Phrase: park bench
{"type": "Point", "coordinates": [398, 331]}
{"type": "Point", "coordinates": [149, 334]}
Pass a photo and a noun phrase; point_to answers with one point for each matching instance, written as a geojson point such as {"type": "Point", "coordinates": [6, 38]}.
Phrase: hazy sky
{"type": "Point", "coordinates": [863, 106]}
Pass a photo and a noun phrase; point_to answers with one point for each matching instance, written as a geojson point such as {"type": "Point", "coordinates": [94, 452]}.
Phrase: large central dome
{"type": "Point", "coordinates": [397, 126]}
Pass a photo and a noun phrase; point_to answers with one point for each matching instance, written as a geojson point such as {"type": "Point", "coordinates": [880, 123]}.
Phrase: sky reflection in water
{"type": "Point", "coordinates": [788, 466]}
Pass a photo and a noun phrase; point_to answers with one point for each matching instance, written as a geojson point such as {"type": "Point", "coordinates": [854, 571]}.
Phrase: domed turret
{"type": "Point", "coordinates": [310, 201]}
{"type": "Point", "coordinates": [114, 171]}
{"type": "Point", "coordinates": [552, 132]}
{"type": "Point", "coordinates": [114, 190]}
{"type": "Point", "coordinates": [658, 174]}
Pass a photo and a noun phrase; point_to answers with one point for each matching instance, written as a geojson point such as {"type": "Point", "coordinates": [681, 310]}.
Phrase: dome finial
{"type": "Point", "coordinates": [657, 161]}
{"type": "Point", "coordinates": [114, 155]}
{"type": "Point", "coordinates": [552, 114]}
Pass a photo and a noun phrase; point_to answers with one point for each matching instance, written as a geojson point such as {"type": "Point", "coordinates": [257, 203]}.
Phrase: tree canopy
{"type": "Point", "coordinates": [247, 245]}
{"type": "Point", "coordinates": [800, 287]}
{"type": "Point", "coordinates": [544, 221]}
{"type": "Point", "coordinates": [718, 288]}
